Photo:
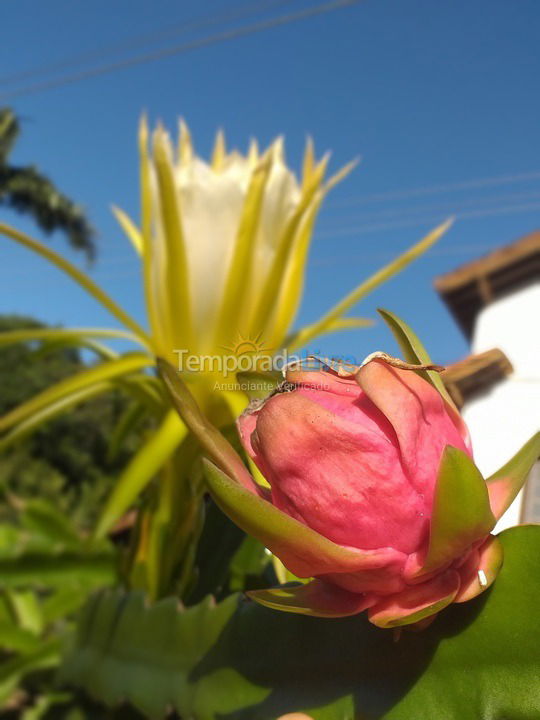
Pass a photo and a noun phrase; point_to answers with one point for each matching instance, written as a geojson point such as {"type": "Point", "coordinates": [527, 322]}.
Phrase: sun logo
{"type": "Point", "coordinates": [247, 346]}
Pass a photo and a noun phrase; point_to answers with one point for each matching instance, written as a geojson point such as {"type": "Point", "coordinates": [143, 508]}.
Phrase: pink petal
{"type": "Point", "coordinates": [416, 602]}
{"type": "Point", "coordinates": [316, 598]}
{"type": "Point", "coordinates": [305, 552]}
{"type": "Point", "coordinates": [324, 380]}
{"type": "Point", "coordinates": [499, 492]}
{"type": "Point", "coordinates": [419, 417]}
{"type": "Point", "coordinates": [333, 464]}
{"type": "Point", "coordinates": [480, 570]}
{"type": "Point", "coordinates": [381, 572]}
{"type": "Point", "coordinates": [461, 426]}
{"type": "Point", "coordinates": [246, 425]}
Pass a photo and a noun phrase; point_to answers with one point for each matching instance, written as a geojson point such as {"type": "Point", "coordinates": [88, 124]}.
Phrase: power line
{"type": "Point", "coordinates": [435, 189]}
{"type": "Point", "coordinates": [183, 48]}
{"type": "Point", "coordinates": [235, 13]}
{"type": "Point", "coordinates": [377, 227]}
{"type": "Point", "coordinates": [331, 259]}
{"type": "Point", "coordinates": [457, 250]}
{"type": "Point", "coordinates": [332, 230]}
{"type": "Point", "coordinates": [321, 261]}
{"type": "Point", "coordinates": [449, 207]}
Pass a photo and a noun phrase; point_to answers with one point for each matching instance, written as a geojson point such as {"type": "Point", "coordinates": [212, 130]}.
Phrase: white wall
{"type": "Point", "coordinates": [504, 418]}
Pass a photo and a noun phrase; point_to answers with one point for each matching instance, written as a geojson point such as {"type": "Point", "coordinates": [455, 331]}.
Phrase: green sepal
{"type": "Point", "coordinates": [461, 512]}
{"type": "Point", "coordinates": [413, 350]}
{"type": "Point", "coordinates": [214, 444]}
{"type": "Point", "coordinates": [408, 613]}
{"type": "Point", "coordinates": [316, 598]}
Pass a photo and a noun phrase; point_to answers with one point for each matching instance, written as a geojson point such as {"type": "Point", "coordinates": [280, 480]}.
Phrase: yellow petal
{"type": "Point", "coordinates": [378, 278]}
{"type": "Point", "coordinates": [174, 265]}
{"type": "Point", "coordinates": [234, 303]}
{"type": "Point", "coordinates": [220, 152]}
{"type": "Point", "coordinates": [253, 153]}
{"type": "Point", "coordinates": [129, 227]}
{"type": "Point", "coordinates": [185, 145]}
{"type": "Point", "coordinates": [309, 163]}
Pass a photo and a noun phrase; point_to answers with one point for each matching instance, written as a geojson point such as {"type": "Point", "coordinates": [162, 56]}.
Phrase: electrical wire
{"type": "Point", "coordinates": [238, 12]}
{"type": "Point", "coordinates": [225, 36]}
{"type": "Point", "coordinates": [467, 215]}
{"type": "Point", "coordinates": [453, 249]}
{"type": "Point", "coordinates": [449, 207]}
{"type": "Point", "coordinates": [435, 189]}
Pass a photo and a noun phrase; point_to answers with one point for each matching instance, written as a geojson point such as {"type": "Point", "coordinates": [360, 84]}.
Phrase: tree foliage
{"type": "Point", "coordinates": [68, 460]}
{"type": "Point", "coordinates": [27, 190]}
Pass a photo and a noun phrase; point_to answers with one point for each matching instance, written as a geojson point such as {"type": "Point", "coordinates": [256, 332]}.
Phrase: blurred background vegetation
{"type": "Point", "coordinates": [28, 191]}
{"type": "Point", "coordinates": [69, 461]}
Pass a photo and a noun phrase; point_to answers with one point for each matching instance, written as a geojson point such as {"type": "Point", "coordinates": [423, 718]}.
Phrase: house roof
{"type": "Point", "coordinates": [475, 374]}
{"type": "Point", "coordinates": [474, 285]}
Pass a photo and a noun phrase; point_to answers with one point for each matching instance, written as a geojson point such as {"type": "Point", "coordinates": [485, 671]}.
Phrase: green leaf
{"type": "Point", "coordinates": [41, 570]}
{"type": "Point", "coordinates": [461, 513]}
{"type": "Point", "coordinates": [250, 559]}
{"type": "Point", "coordinates": [141, 469]}
{"type": "Point", "coordinates": [64, 600]}
{"type": "Point", "coordinates": [17, 639]}
{"type": "Point", "coordinates": [240, 661]}
{"type": "Point", "coordinates": [26, 609]}
{"type": "Point", "coordinates": [42, 517]}
{"type": "Point", "coordinates": [45, 553]}
{"type": "Point", "coordinates": [10, 337]}
{"type": "Point", "coordinates": [373, 282]}
{"type": "Point", "coordinates": [128, 363]}
{"type": "Point", "coordinates": [505, 484]}
{"type": "Point", "coordinates": [45, 656]}
{"type": "Point", "coordinates": [413, 350]}
{"type": "Point", "coordinates": [212, 441]}
{"type": "Point", "coordinates": [128, 421]}
{"type": "Point", "coordinates": [219, 541]}
{"type": "Point", "coordinates": [79, 277]}
{"type": "Point", "coordinates": [33, 420]}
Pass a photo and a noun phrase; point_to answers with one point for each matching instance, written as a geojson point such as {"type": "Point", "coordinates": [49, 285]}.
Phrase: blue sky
{"type": "Point", "coordinates": [440, 99]}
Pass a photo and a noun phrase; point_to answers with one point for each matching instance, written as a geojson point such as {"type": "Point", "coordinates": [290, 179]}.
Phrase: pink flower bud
{"type": "Point", "coordinates": [373, 491]}
{"type": "Point", "coordinates": [357, 459]}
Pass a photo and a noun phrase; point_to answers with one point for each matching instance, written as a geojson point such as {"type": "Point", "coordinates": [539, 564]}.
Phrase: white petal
{"type": "Point", "coordinates": [211, 206]}
{"type": "Point", "coordinates": [280, 201]}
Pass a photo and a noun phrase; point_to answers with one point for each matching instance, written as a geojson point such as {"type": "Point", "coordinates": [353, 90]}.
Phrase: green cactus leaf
{"type": "Point", "coordinates": [46, 552]}
{"type": "Point", "coordinates": [504, 485]}
{"type": "Point", "coordinates": [461, 512]}
{"type": "Point", "coordinates": [240, 661]}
